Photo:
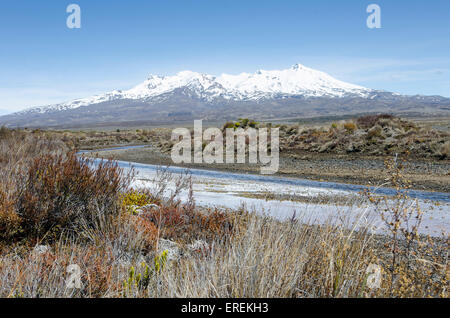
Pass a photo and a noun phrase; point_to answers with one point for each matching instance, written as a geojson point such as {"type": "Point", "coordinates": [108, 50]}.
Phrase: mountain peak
{"type": "Point", "coordinates": [190, 74]}
{"type": "Point", "coordinates": [292, 92]}
{"type": "Point", "coordinates": [295, 81]}
{"type": "Point", "coordinates": [297, 67]}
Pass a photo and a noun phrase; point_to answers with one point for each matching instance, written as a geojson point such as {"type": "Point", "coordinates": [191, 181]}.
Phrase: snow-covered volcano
{"type": "Point", "coordinates": [297, 80]}
{"type": "Point", "coordinates": [295, 92]}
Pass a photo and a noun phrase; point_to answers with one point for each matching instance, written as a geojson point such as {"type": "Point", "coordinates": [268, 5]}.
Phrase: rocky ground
{"type": "Point", "coordinates": [377, 135]}
{"type": "Point", "coordinates": [351, 151]}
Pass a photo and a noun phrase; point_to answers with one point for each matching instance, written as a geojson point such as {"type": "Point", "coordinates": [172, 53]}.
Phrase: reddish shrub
{"type": "Point", "coordinates": [9, 220]}
{"type": "Point", "coordinates": [149, 231]}
{"type": "Point", "coordinates": [65, 192]}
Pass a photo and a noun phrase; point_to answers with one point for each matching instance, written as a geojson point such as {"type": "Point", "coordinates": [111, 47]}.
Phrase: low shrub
{"type": "Point", "coordinates": [65, 191]}
{"type": "Point", "coordinates": [374, 132]}
{"type": "Point", "coordinates": [9, 220]}
{"type": "Point", "coordinates": [4, 132]}
{"type": "Point", "coordinates": [445, 150]}
{"type": "Point", "coordinates": [371, 120]}
{"type": "Point", "coordinates": [133, 199]}
{"type": "Point", "coordinates": [241, 123]}
{"type": "Point", "coordinates": [350, 127]}
{"type": "Point", "coordinates": [44, 189]}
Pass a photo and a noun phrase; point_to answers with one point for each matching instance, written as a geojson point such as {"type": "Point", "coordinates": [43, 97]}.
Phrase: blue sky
{"type": "Point", "coordinates": [122, 42]}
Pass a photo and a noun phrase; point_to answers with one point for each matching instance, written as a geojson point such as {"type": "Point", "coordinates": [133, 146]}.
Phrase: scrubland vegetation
{"type": "Point", "coordinates": [335, 151]}
{"type": "Point", "coordinates": [57, 209]}
{"type": "Point", "coordinates": [374, 135]}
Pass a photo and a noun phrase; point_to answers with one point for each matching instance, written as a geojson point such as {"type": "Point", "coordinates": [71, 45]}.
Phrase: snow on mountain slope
{"type": "Point", "coordinates": [297, 80]}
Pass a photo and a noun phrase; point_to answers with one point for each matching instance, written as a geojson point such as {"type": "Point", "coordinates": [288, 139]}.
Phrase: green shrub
{"type": "Point", "coordinates": [244, 122]}
{"type": "Point", "coordinates": [228, 125]}
{"type": "Point", "coordinates": [241, 123]}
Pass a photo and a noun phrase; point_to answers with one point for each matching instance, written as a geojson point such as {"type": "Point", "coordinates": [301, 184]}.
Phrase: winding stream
{"type": "Point", "coordinates": [234, 190]}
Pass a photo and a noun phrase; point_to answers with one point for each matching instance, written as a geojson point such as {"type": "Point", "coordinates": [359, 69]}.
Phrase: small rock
{"type": "Point", "coordinates": [142, 209]}
{"type": "Point", "coordinates": [40, 249]}
{"type": "Point", "coordinates": [350, 148]}
{"type": "Point", "coordinates": [327, 146]}
{"type": "Point", "coordinates": [173, 251]}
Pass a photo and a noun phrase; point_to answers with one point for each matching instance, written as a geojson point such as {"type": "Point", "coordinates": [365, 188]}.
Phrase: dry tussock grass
{"type": "Point", "coordinates": [262, 258]}
{"type": "Point", "coordinates": [242, 254]}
